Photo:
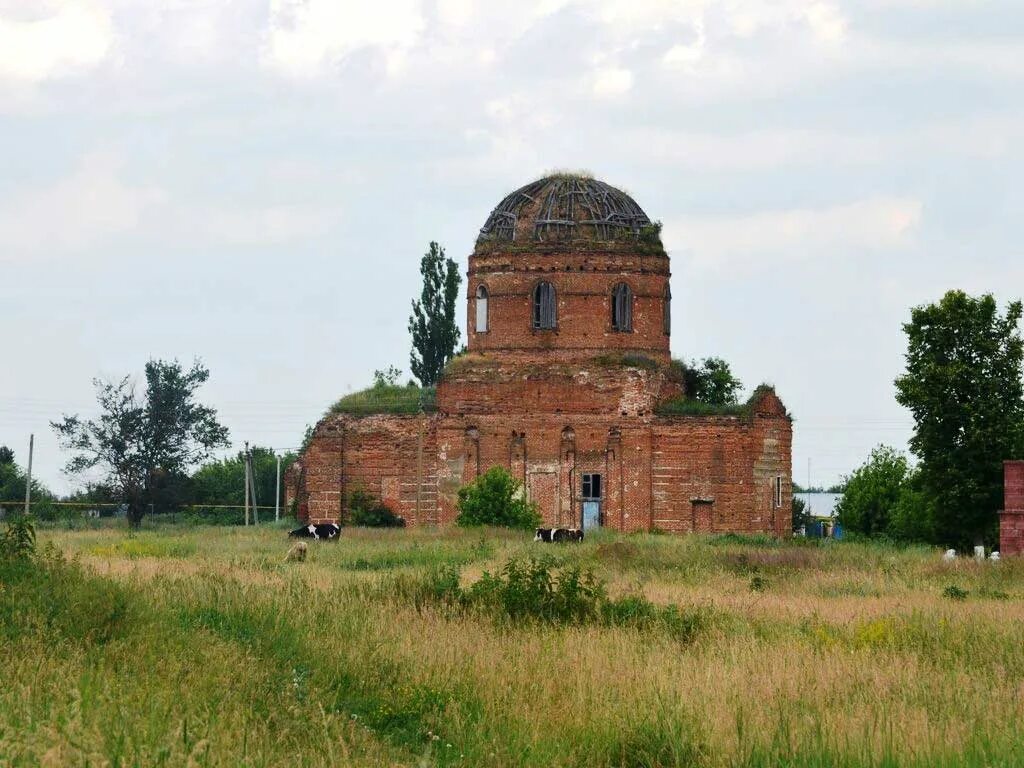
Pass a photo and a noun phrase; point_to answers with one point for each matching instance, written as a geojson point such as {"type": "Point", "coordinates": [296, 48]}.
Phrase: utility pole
{"type": "Point", "coordinates": [246, 464]}
{"type": "Point", "coordinates": [808, 485]}
{"type": "Point", "coordinates": [277, 493]}
{"type": "Point", "coordinates": [28, 478]}
{"type": "Point", "coordinates": [252, 489]}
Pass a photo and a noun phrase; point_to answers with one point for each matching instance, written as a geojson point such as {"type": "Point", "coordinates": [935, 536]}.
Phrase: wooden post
{"type": "Point", "coordinates": [277, 493]}
{"type": "Point", "coordinates": [246, 465]}
{"type": "Point", "coordinates": [28, 478]}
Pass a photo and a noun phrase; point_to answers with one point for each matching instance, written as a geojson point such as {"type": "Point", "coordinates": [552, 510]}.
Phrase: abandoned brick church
{"type": "Point", "coordinates": [568, 382]}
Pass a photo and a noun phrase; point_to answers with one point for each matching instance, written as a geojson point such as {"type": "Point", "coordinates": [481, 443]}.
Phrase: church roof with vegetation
{"type": "Point", "coordinates": [388, 399]}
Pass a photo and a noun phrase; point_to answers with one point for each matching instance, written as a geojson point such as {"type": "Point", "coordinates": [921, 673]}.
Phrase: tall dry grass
{"type": "Point", "coordinates": [217, 653]}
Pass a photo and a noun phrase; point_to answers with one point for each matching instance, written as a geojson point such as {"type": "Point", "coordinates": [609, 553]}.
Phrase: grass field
{"type": "Point", "coordinates": [200, 646]}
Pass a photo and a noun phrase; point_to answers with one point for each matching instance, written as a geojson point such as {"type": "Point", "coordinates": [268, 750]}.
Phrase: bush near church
{"type": "Point", "coordinates": [368, 512]}
{"type": "Point", "coordinates": [496, 498]}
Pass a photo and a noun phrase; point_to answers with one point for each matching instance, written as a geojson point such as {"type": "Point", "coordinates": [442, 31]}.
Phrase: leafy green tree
{"type": "Point", "coordinates": [432, 322]}
{"type": "Point", "coordinates": [712, 382]}
{"type": "Point", "coordinates": [222, 483]}
{"type": "Point", "coordinates": [965, 388]}
{"type": "Point", "coordinates": [801, 517]}
{"type": "Point", "coordinates": [873, 492]}
{"type": "Point", "coordinates": [496, 498]}
{"type": "Point", "coordinates": [139, 443]}
{"type": "Point", "coordinates": [12, 484]}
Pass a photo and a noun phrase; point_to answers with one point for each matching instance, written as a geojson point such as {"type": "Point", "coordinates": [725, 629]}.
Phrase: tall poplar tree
{"type": "Point", "coordinates": [964, 387]}
{"type": "Point", "coordinates": [432, 322]}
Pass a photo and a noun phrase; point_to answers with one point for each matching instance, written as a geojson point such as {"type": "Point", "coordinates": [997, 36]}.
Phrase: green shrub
{"type": "Point", "coordinates": [19, 539]}
{"type": "Point", "coordinates": [366, 511]}
{"type": "Point", "coordinates": [953, 592]}
{"type": "Point", "coordinates": [214, 516]}
{"type": "Point", "coordinates": [533, 590]}
{"type": "Point", "coordinates": [758, 583]}
{"type": "Point", "coordinates": [496, 498]}
{"type": "Point", "coordinates": [529, 590]}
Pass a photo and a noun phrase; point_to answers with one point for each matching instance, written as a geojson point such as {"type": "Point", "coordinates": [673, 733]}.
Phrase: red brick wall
{"type": "Point", "coordinates": [583, 284]}
{"type": "Point", "coordinates": [1011, 518]}
{"type": "Point", "coordinates": [665, 473]}
{"type": "Point", "coordinates": [483, 385]}
{"type": "Point", "coordinates": [382, 455]}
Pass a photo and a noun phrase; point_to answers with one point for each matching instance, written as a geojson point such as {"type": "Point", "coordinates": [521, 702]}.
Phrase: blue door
{"type": "Point", "coordinates": [591, 493]}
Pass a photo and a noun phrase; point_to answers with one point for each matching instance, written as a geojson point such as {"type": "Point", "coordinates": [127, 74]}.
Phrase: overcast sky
{"type": "Point", "coordinates": [252, 182]}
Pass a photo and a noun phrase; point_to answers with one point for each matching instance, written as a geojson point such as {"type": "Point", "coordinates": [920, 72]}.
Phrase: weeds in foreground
{"type": "Point", "coordinates": [594, 655]}
{"type": "Point", "coordinates": [533, 591]}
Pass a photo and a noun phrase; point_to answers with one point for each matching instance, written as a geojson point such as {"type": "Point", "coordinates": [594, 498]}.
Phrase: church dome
{"type": "Point", "coordinates": [567, 207]}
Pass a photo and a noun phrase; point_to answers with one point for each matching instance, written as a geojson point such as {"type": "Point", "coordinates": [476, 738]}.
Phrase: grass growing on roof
{"type": "Point", "coordinates": [388, 398]}
{"type": "Point", "coordinates": [687, 406]}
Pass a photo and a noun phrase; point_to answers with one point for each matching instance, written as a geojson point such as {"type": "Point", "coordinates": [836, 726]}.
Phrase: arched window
{"type": "Point", "coordinates": [481, 309]}
{"type": "Point", "coordinates": [544, 315]}
{"type": "Point", "coordinates": [667, 311]}
{"type": "Point", "coordinates": [622, 308]}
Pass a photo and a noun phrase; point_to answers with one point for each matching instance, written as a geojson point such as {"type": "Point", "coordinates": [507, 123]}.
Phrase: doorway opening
{"type": "Point", "coordinates": [591, 495]}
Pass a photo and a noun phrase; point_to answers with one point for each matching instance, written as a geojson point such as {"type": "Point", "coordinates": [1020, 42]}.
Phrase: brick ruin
{"type": "Point", "coordinates": [568, 383]}
{"type": "Point", "coordinates": [1011, 517]}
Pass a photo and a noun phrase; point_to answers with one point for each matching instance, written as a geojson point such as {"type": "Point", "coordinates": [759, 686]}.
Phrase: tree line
{"type": "Point", "coordinates": [964, 387]}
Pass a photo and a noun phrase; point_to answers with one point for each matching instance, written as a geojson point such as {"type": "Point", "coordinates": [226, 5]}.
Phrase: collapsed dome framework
{"type": "Point", "coordinates": [565, 207]}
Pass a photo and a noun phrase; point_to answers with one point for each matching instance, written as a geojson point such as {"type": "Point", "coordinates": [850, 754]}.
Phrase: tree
{"type": "Point", "coordinates": [711, 381]}
{"type": "Point", "coordinates": [965, 389]}
{"type": "Point", "coordinates": [387, 377]}
{"type": "Point", "coordinates": [873, 493]}
{"type": "Point", "coordinates": [801, 517]}
{"type": "Point", "coordinates": [139, 444]}
{"type": "Point", "coordinates": [222, 483]}
{"type": "Point", "coordinates": [432, 322]}
{"type": "Point", "coordinates": [12, 483]}
{"type": "Point", "coordinates": [496, 498]}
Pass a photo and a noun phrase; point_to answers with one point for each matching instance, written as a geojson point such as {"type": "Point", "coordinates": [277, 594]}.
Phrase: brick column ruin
{"type": "Point", "coordinates": [1011, 518]}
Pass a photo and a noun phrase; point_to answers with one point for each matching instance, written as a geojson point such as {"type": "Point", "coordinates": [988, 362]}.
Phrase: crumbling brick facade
{"type": "Point", "coordinates": [1011, 518]}
{"type": "Point", "coordinates": [563, 394]}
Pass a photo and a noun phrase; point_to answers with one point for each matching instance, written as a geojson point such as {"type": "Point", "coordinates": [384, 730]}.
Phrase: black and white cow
{"type": "Point", "coordinates": [559, 534]}
{"type": "Point", "coordinates": [322, 532]}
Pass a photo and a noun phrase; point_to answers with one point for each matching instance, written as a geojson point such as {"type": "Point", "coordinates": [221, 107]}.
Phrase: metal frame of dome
{"type": "Point", "coordinates": [560, 199]}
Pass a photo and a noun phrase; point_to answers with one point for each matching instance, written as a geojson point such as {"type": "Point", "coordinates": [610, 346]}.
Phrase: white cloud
{"type": "Point", "coordinates": [75, 37]}
{"type": "Point", "coordinates": [457, 13]}
{"type": "Point", "coordinates": [267, 226]}
{"type": "Point", "coordinates": [717, 243]}
{"type": "Point", "coordinates": [308, 36]}
{"type": "Point", "coordinates": [611, 82]}
{"type": "Point", "coordinates": [85, 209]}
{"type": "Point", "coordinates": [682, 56]}
{"type": "Point", "coordinates": [825, 21]}
{"type": "Point", "coordinates": [94, 205]}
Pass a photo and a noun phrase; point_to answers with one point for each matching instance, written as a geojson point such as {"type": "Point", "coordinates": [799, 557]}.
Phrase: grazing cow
{"type": "Point", "coordinates": [297, 553]}
{"type": "Point", "coordinates": [558, 534]}
{"type": "Point", "coordinates": [322, 532]}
